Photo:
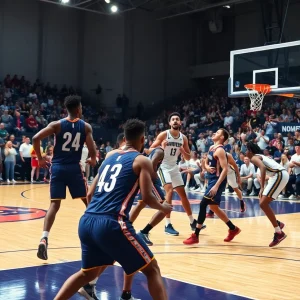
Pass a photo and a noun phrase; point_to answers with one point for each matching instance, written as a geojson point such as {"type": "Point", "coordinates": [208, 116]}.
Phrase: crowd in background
{"type": "Point", "coordinates": [25, 108]}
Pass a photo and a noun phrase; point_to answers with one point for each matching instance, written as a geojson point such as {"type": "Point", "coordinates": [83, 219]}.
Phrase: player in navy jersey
{"type": "Point", "coordinates": [105, 232]}
{"type": "Point", "coordinates": [217, 166]}
{"type": "Point", "coordinates": [70, 134]}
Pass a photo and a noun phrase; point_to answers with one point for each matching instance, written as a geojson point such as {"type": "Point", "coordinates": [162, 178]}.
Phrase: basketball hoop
{"type": "Point", "coordinates": [256, 94]}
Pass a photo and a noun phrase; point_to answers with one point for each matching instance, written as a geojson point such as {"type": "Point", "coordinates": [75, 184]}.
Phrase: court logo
{"type": "Point", "coordinates": [17, 214]}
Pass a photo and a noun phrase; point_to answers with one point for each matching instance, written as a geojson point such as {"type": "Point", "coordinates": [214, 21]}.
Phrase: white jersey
{"type": "Point", "coordinates": [193, 163]}
{"type": "Point", "coordinates": [172, 150]}
{"type": "Point", "coordinates": [271, 165]}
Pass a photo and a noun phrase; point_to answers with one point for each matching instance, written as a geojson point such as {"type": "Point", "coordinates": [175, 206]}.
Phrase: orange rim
{"type": "Point", "coordinates": [261, 88]}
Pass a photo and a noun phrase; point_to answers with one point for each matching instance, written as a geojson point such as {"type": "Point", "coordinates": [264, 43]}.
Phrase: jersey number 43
{"type": "Point", "coordinates": [107, 183]}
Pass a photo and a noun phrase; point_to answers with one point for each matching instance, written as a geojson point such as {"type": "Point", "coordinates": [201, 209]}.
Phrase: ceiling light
{"type": "Point", "coordinates": [107, 1]}
{"type": "Point", "coordinates": [65, 1]}
{"type": "Point", "coordinates": [114, 8]}
{"type": "Point", "coordinates": [226, 6]}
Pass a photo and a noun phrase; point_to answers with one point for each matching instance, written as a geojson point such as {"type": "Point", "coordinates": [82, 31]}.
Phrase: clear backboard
{"type": "Point", "coordinates": [277, 65]}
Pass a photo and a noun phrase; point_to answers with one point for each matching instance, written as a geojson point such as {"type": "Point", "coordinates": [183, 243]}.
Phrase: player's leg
{"type": "Point", "coordinates": [274, 187]}
{"type": "Point", "coordinates": [232, 181]}
{"type": "Point", "coordinates": [135, 211]}
{"type": "Point", "coordinates": [127, 287]}
{"type": "Point", "coordinates": [37, 173]}
{"type": "Point", "coordinates": [32, 173]}
{"type": "Point", "coordinates": [166, 181]}
{"type": "Point", "coordinates": [136, 256]}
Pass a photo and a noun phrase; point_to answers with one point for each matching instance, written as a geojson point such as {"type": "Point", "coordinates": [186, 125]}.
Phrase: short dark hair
{"type": "Point", "coordinates": [120, 139]}
{"type": "Point", "coordinates": [133, 129]}
{"type": "Point", "coordinates": [225, 134]}
{"type": "Point", "coordinates": [254, 148]}
{"type": "Point", "coordinates": [174, 114]}
{"type": "Point", "coordinates": [72, 103]}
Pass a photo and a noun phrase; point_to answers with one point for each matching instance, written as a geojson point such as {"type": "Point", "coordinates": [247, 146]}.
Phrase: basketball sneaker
{"type": "Point", "coordinates": [280, 224]}
{"type": "Point", "coordinates": [194, 226]}
{"type": "Point", "coordinates": [170, 230]}
{"type": "Point", "coordinates": [210, 215]}
{"type": "Point", "coordinates": [232, 234]}
{"type": "Point", "coordinates": [131, 298]}
{"type": "Point", "coordinates": [278, 237]}
{"type": "Point", "coordinates": [88, 292]}
{"type": "Point", "coordinates": [42, 250]}
{"type": "Point", "coordinates": [145, 238]}
{"type": "Point", "coordinates": [193, 239]}
{"type": "Point", "coordinates": [243, 206]}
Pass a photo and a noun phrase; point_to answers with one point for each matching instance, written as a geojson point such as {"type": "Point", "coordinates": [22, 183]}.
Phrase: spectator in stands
{"type": "Point", "coordinates": [247, 174]}
{"type": "Point", "coordinates": [9, 162]}
{"type": "Point", "coordinates": [278, 153]}
{"type": "Point", "coordinates": [19, 122]}
{"type": "Point", "coordinates": [32, 124]}
{"type": "Point", "coordinates": [228, 120]}
{"type": "Point", "coordinates": [7, 120]}
{"type": "Point", "coordinates": [25, 156]}
{"type": "Point", "coordinates": [14, 143]}
{"type": "Point", "coordinates": [3, 132]}
{"type": "Point", "coordinates": [108, 147]}
{"type": "Point", "coordinates": [295, 165]}
{"type": "Point", "coordinates": [262, 140]}
{"type": "Point", "coordinates": [2, 144]}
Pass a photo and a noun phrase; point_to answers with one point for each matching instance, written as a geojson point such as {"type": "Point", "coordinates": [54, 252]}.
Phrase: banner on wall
{"type": "Point", "coordinates": [285, 128]}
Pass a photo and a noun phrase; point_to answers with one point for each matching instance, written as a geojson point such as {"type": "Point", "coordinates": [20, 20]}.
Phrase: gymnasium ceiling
{"type": "Point", "coordinates": [163, 9]}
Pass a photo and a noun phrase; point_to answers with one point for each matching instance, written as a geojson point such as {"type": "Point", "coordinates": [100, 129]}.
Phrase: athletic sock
{"type": "Point", "coordinates": [126, 295]}
{"type": "Point", "coordinates": [191, 219]}
{"type": "Point", "coordinates": [197, 231]}
{"type": "Point", "coordinates": [230, 225]}
{"type": "Point", "coordinates": [277, 229]}
{"type": "Point", "coordinates": [168, 221]}
{"type": "Point", "coordinates": [242, 204]}
{"type": "Point", "coordinates": [45, 234]}
{"type": "Point", "coordinates": [147, 229]}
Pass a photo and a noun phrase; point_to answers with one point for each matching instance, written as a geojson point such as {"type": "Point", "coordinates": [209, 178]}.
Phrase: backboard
{"type": "Point", "coordinates": [277, 65]}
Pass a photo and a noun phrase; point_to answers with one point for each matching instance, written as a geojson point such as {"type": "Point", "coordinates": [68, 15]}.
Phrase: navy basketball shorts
{"type": "Point", "coordinates": [156, 190]}
{"type": "Point", "coordinates": [63, 176]}
{"type": "Point", "coordinates": [106, 239]}
{"type": "Point", "coordinates": [216, 199]}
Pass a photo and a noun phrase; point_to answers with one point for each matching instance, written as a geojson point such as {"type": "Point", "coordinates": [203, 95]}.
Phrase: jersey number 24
{"type": "Point", "coordinates": [75, 144]}
{"type": "Point", "coordinates": [111, 181]}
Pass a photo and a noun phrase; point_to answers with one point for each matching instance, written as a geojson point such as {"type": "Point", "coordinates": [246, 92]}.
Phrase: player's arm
{"type": "Point", "coordinates": [257, 161]}
{"type": "Point", "coordinates": [92, 188]}
{"type": "Point", "coordinates": [90, 144]}
{"type": "Point", "coordinates": [143, 167]}
{"type": "Point", "coordinates": [185, 149]}
{"type": "Point", "coordinates": [221, 154]}
{"type": "Point", "coordinates": [52, 128]}
{"type": "Point", "coordinates": [157, 158]}
{"type": "Point", "coordinates": [159, 140]}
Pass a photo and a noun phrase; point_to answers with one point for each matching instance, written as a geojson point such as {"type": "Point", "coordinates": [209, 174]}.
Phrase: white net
{"type": "Point", "coordinates": [257, 95]}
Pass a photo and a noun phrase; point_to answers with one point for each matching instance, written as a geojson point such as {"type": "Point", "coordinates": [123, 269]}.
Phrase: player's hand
{"type": "Point", "coordinates": [260, 194]}
{"type": "Point", "coordinates": [164, 144]}
{"type": "Point", "coordinates": [91, 162]}
{"type": "Point", "coordinates": [166, 208]}
{"type": "Point", "coordinates": [213, 191]}
{"type": "Point", "coordinates": [43, 163]}
{"type": "Point", "coordinates": [211, 170]}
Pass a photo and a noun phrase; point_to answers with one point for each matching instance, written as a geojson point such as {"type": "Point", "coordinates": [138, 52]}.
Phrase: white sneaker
{"type": "Point", "coordinates": [252, 193]}
{"type": "Point", "coordinates": [192, 188]}
{"type": "Point", "coordinates": [280, 196]}
{"type": "Point", "coordinates": [292, 197]}
{"type": "Point", "coordinates": [226, 191]}
{"type": "Point", "coordinates": [8, 181]}
{"type": "Point", "coordinates": [197, 190]}
{"type": "Point", "coordinates": [13, 181]}
{"type": "Point", "coordinates": [186, 188]}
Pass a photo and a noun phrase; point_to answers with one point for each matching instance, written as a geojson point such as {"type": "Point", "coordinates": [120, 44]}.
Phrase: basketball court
{"type": "Point", "coordinates": [243, 269]}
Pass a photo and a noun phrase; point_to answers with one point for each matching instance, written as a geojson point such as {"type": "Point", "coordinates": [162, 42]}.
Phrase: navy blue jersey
{"type": "Point", "coordinates": [69, 142]}
{"type": "Point", "coordinates": [214, 162]}
{"type": "Point", "coordinates": [117, 185]}
{"type": "Point", "coordinates": [152, 154]}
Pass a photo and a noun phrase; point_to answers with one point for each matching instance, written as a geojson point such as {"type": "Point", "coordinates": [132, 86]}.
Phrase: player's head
{"type": "Point", "coordinates": [252, 149]}
{"type": "Point", "coordinates": [174, 120]}
{"type": "Point", "coordinates": [221, 136]}
{"type": "Point", "coordinates": [73, 106]}
{"type": "Point", "coordinates": [134, 131]}
{"type": "Point", "coordinates": [120, 140]}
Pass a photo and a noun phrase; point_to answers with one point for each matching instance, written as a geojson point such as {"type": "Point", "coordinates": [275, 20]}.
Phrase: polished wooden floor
{"type": "Point", "coordinates": [245, 267]}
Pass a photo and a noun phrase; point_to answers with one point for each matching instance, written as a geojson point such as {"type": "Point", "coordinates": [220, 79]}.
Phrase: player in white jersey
{"type": "Point", "coordinates": [174, 143]}
{"type": "Point", "coordinates": [234, 180]}
{"type": "Point", "coordinates": [278, 178]}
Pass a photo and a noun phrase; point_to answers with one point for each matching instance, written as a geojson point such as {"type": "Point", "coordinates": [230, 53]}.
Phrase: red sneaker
{"type": "Point", "coordinates": [281, 225]}
{"type": "Point", "coordinates": [232, 234]}
{"type": "Point", "coordinates": [278, 237]}
{"type": "Point", "coordinates": [210, 215]}
{"type": "Point", "coordinates": [193, 239]}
